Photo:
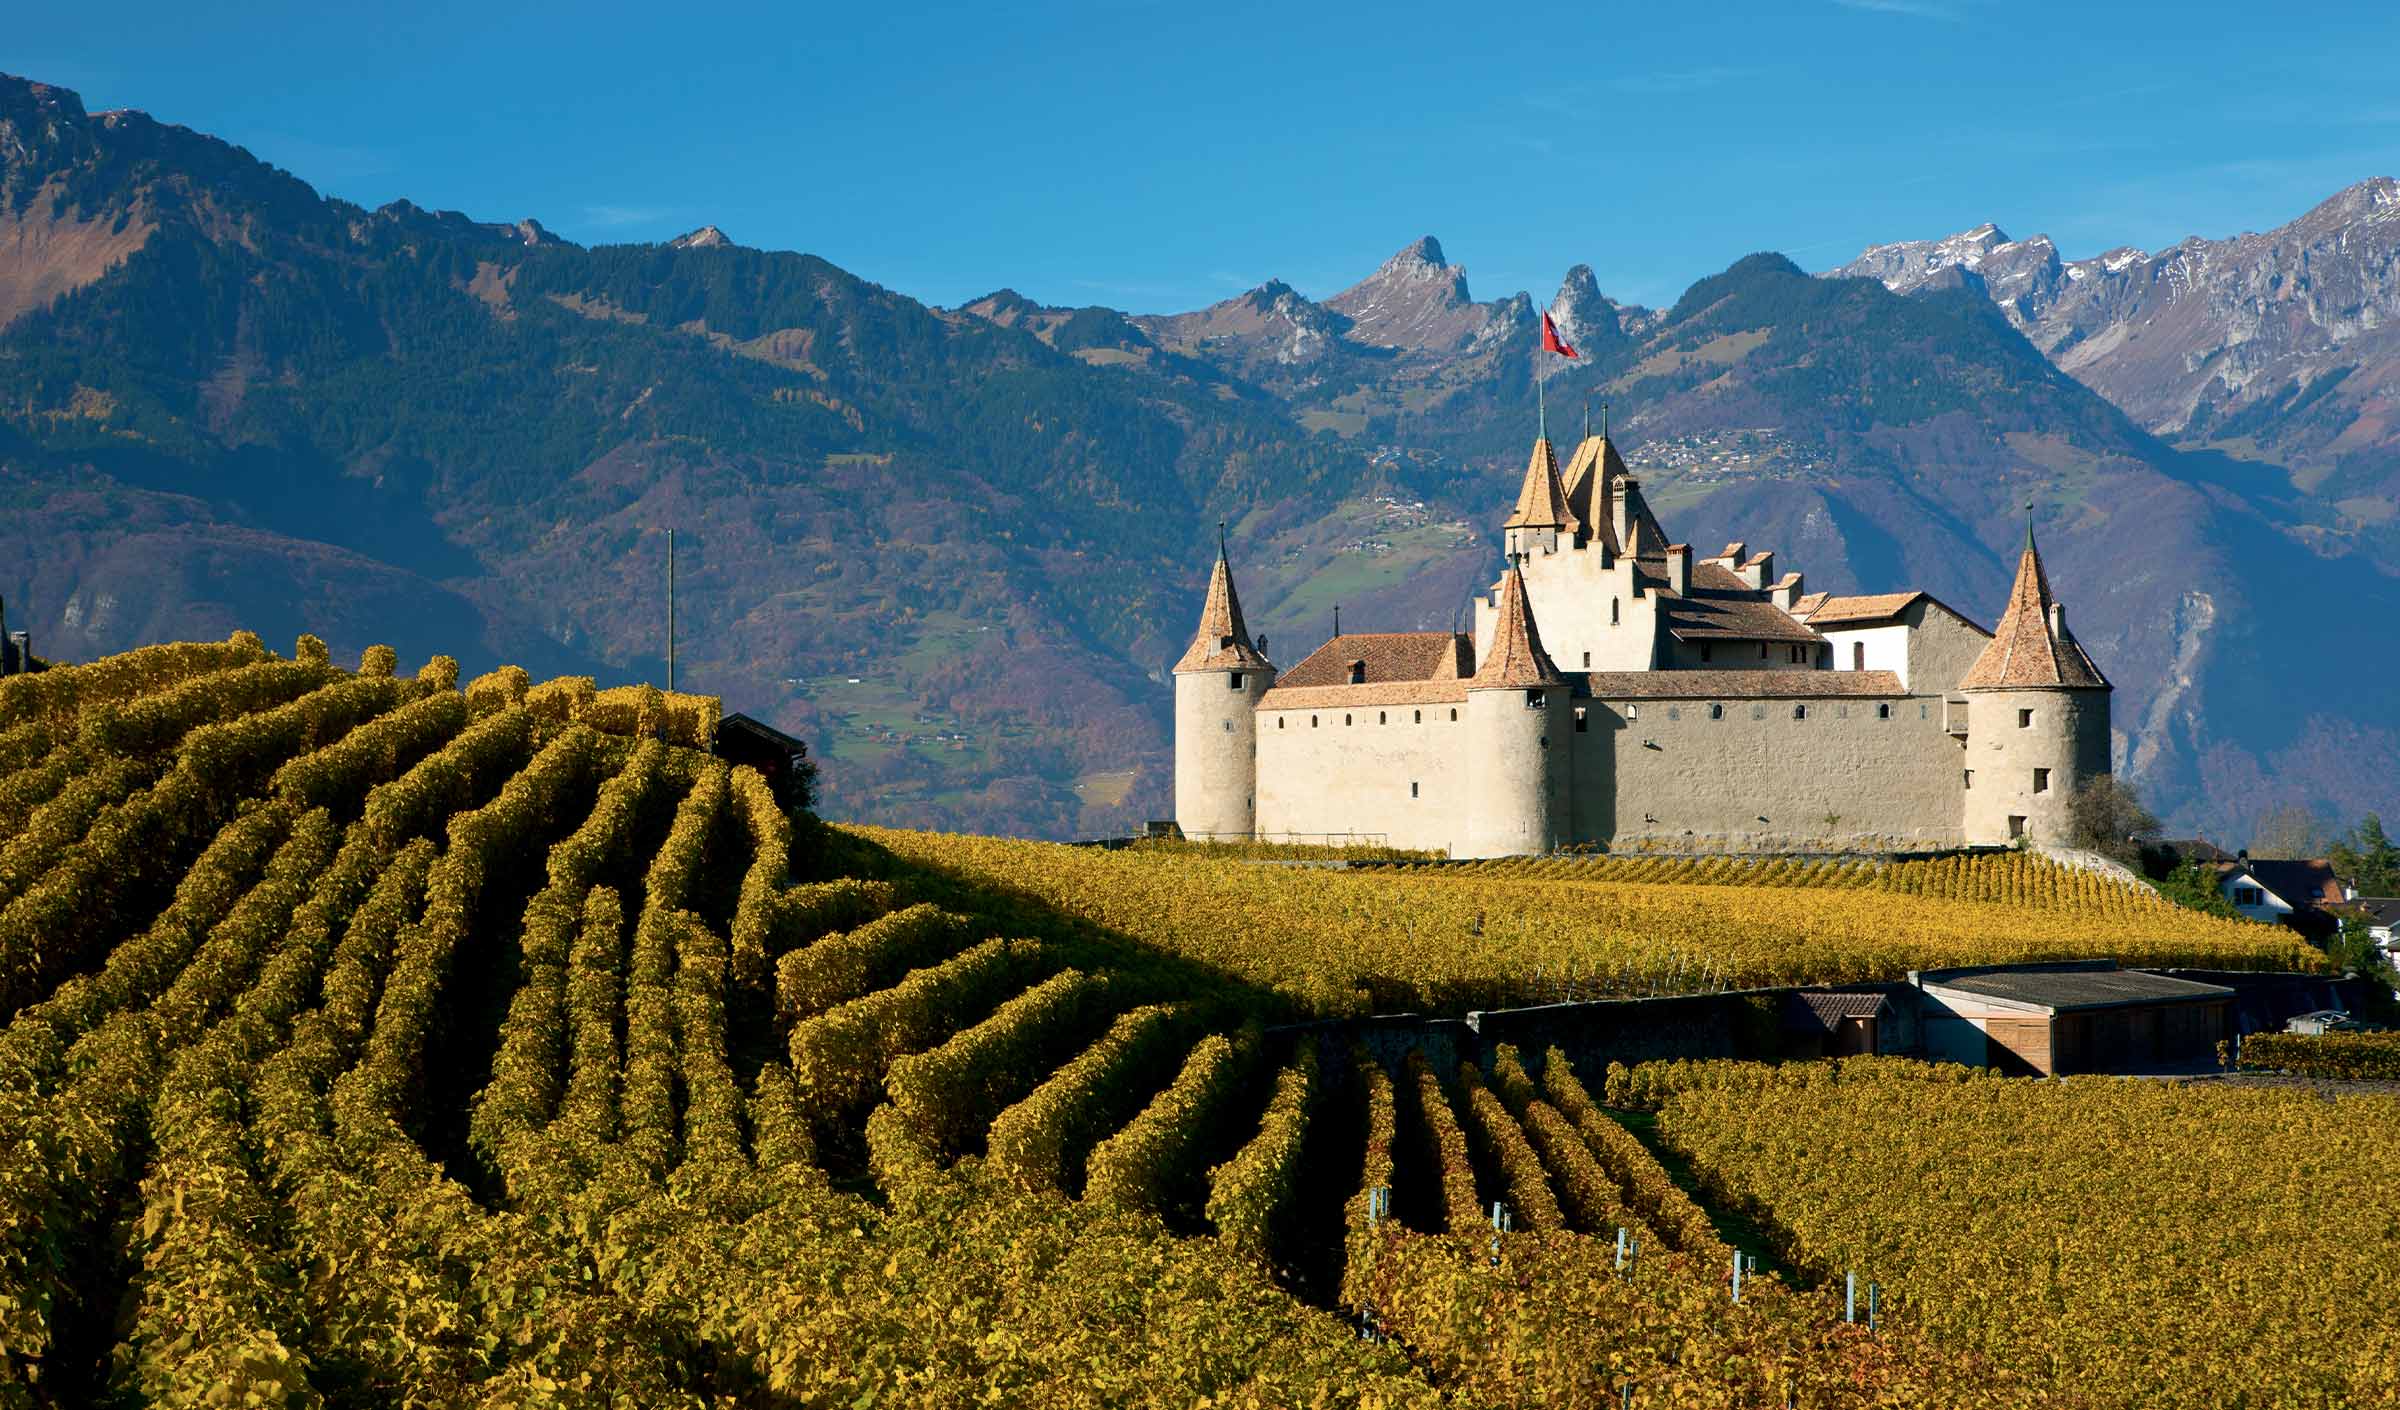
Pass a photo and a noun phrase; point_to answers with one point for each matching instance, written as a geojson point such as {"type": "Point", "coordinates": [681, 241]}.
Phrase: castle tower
{"type": "Point", "coordinates": [1519, 728]}
{"type": "Point", "coordinates": [1217, 686]}
{"type": "Point", "coordinates": [1542, 513]}
{"type": "Point", "coordinates": [1593, 474]}
{"type": "Point", "coordinates": [2037, 718]}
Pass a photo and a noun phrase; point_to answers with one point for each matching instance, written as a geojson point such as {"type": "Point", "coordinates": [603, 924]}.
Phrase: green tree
{"type": "Point", "coordinates": [2368, 859]}
{"type": "Point", "coordinates": [2193, 886]}
{"type": "Point", "coordinates": [2107, 817]}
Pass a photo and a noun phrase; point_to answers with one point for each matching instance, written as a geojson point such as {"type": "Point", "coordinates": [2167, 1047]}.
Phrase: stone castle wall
{"type": "Point", "coordinates": [1352, 771]}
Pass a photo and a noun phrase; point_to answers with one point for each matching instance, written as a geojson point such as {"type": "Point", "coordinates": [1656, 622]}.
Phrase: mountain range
{"type": "Point", "coordinates": [956, 549]}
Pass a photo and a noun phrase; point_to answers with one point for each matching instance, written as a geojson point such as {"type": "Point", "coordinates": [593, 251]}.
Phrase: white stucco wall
{"type": "Point", "coordinates": [1351, 771]}
{"type": "Point", "coordinates": [2270, 908]}
{"type": "Point", "coordinates": [1215, 758]}
{"type": "Point", "coordinates": [1757, 776]}
{"type": "Point", "coordinates": [1518, 763]}
{"type": "Point", "coordinates": [2068, 736]}
{"type": "Point", "coordinates": [1886, 649]}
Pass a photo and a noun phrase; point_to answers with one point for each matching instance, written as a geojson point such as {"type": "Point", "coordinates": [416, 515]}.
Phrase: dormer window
{"type": "Point", "coordinates": [1358, 673]}
{"type": "Point", "coordinates": [1224, 643]}
{"type": "Point", "coordinates": [1536, 698]}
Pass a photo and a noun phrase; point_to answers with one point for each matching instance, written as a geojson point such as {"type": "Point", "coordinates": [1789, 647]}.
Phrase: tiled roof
{"type": "Point", "coordinates": [1873, 607]}
{"type": "Point", "coordinates": [1516, 657]}
{"type": "Point", "coordinates": [1721, 606]}
{"type": "Point", "coordinates": [1594, 465]}
{"type": "Point", "coordinates": [1339, 697]}
{"type": "Point", "coordinates": [2066, 989]}
{"type": "Point", "coordinates": [1384, 658]}
{"type": "Point", "coordinates": [2024, 652]}
{"type": "Point", "coordinates": [2304, 884]}
{"type": "Point", "coordinates": [1743, 685]}
{"type": "Point", "coordinates": [1827, 1008]}
{"type": "Point", "coordinates": [1542, 502]}
{"type": "Point", "coordinates": [1223, 642]}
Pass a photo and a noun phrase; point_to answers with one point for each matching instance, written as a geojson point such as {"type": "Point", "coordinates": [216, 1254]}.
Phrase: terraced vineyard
{"type": "Point", "coordinates": [1496, 934]}
{"type": "Point", "coordinates": [2118, 1242]}
{"type": "Point", "coordinates": [372, 1041]}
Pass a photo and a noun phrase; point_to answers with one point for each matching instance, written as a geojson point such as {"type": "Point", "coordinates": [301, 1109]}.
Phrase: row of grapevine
{"type": "Point", "coordinates": [1251, 1196]}
{"type": "Point", "coordinates": [1041, 1140]}
{"type": "Point", "coordinates": [2345, 1056]}
{"type": "Point", "coordinates": [1450, 939]}
{"type": "Point", "coordinates": [949, 1094]}
{"type": "Point", "coordinates": [1143, 1166]}
{"type": "Point", "coordinates": [838, 1056]}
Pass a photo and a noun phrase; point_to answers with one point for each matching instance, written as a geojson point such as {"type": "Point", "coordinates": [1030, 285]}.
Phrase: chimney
{"type": "Point", "coordinates": [1756, 570]}
{"type": "Point", "coordinates": [1787, 592]}
{"type": "Point", "coordinates": [1620, 513]}
{"type": "Point", "coordinates": [1679, 568]}
{"type": "Point", "coordinates": [2058, 620]}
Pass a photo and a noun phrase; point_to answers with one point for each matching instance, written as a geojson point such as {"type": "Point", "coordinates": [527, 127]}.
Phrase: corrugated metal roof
{"type": "Point", "coordinates": [2062, 990]}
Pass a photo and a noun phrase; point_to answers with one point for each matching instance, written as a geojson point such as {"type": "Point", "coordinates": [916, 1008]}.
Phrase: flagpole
{"type": "Point", "coordinates": [1541, 401]}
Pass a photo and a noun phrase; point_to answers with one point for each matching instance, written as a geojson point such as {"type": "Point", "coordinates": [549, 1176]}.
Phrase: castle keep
{"type": "Point", "coordinates": [1618, 690]}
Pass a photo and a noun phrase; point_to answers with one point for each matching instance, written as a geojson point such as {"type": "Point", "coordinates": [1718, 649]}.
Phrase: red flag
{"type": "Point", "coordinates": [1553, 342]}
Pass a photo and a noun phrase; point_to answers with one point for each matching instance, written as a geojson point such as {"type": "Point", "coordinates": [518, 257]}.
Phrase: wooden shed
{"type": "Point", "coordinates": [2054, 1019]}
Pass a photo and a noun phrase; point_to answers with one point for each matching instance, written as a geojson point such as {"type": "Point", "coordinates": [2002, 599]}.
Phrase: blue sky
{"type": "Point", "coordinates": [1162, 156]}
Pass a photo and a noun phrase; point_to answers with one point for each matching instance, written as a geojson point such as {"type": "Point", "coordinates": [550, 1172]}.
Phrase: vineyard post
{"type": "Point", "coordinates": [1874, 1305]}
{"type": "Point", "coordinates": [1620, 1248]}
{"type": "Point", "coordinates": [1850, 1297]}
{"type": "Point", "coordinates": [1737, 1275]}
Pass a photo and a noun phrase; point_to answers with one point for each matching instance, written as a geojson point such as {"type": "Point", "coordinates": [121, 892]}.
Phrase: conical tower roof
{"type": "Point", "coordinates": [1594, 464]}
{"type": "Point", "coordinates": [1542, 503]}
{"type": "Point", "coordinates": [1516, 659]}
{"type": "Point", "coordinates": [1222, 642]}
{"type": "Point", "coordinates": [2027, 652]}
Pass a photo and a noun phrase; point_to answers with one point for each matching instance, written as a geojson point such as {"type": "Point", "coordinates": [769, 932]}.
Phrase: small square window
{"type": "Point", "coordinates": [1345, 719]}
{"type": "Point", "coordinates": [1224, 643]}
{"type": "Point", "coordinates": [1454, 714]}
{"type": "Point", "coordinates": [1381, 718]}
{"type": "Point", "coordinates": [1884, 711]}
{"type": "Point", "coordinates": [1536, 698]}
{"type": "Point", "coordinates": [2041, 780]}
{"type": "Point", "coordinates": [1582, 725]}
{"type": "Point", "coordinates": [1420, 717]}
{"type": "Point", "coordinates": [1633, 712]}
{"type": "Point", "coordinates": [1312, 722]}
{"type": "Point", "coordinates": [1924, 712]}
{"type": "Point", "coordinates": [2016, 826]}
{"type": "Point", "coordinates": [1674, 712]}
{"type": "Point", "coordinates": [1799, 712]}
{"type": "Point", "coordinates": [1234, 680]}
{"type": "Point", "coordinates": [1758, 712]}
{"type": "Point", "coordinates": [1229, 726]}
{"type": "Point", "coordinates": [2024, 719]}
{"type": "Point", "coordinates": [1716, 712]}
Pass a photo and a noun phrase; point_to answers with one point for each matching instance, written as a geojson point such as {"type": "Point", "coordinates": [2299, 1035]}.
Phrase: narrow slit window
{"type": "Point", "coordinates": [1582, 724]}
{"type": "Point", "coordinates": [2024, 719]}
{"type": "Point", "coordinates": [1412, 788]}
{"type": "Point", "coordinates": [1716, 712]}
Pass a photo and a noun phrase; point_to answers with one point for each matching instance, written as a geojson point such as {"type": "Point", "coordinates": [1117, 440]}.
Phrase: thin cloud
{"type": "Point", "coordinates": [1678, 81]}
{"type": "Point", "coordinates": [1919, 9]}
{"type": "Point", "coordinates": [614, 217]}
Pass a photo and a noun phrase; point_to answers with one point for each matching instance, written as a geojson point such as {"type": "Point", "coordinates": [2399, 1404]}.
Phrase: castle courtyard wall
{"type": "Point", "coordinates": [1760, 777]}
{"type": "Point", "coordinates": [1351, 770]}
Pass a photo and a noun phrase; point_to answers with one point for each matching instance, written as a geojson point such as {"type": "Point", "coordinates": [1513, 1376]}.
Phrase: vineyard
{"type": "Point", "coordinates": [372, 1041]}
{"type": "Point", "coordinates": [1495, 934]}
{"type": "Point", "coordinates": [2137, 1243]}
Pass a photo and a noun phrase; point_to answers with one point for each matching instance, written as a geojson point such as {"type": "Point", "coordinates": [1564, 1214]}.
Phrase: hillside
{"type": "Point", "coordinates": [2276, 347]}
{"type": "Point", "coordinates": [371, 1040]}
{"type": "Point", "coordinates": [956, 549]}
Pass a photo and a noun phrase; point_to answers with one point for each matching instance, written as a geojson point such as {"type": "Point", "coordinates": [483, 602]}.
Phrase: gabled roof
{"type": "Point", "coordinates": [2301, 884]}
{"type": "Point", "coordinates": [1825, 1009]}
{"type": "Point", "coordinates": [1516, 658]}
{"type": "Point", "coordinates": [1542, 501]}
{"type": "Point", "coordinates": [1721, 606]}
{"type": "Point", "coordinates": [1222, 642]}
{"type": "Point", "coordinates": [1871, 607]}
{"type": "Point", "coordinates": [1394, 668]}
{"type": "Point", "coordinates": [1385, 657]}
{"type": "Point", "coordinates": [2025, 653]}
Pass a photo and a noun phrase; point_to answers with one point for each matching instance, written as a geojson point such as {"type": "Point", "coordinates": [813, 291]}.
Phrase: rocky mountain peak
{"type": "Point", "coordinates": [1583, 314]}
{"type": "Point", "coordinates": [1415, 300]}
{"type": "Point", "coordinates": [707, 237]}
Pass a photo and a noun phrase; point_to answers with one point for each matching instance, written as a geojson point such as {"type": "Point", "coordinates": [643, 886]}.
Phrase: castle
{"type": "Point", "coordinates": [1618, 691]}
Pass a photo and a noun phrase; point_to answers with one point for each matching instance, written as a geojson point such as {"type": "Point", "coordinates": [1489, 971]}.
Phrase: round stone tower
{"type": "Point", "coordinates": [2037, 718]}
{"type": "Point", "coordinates": [1519, 728]}
{"type": "Point", "coordinates": [1217, 686]}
